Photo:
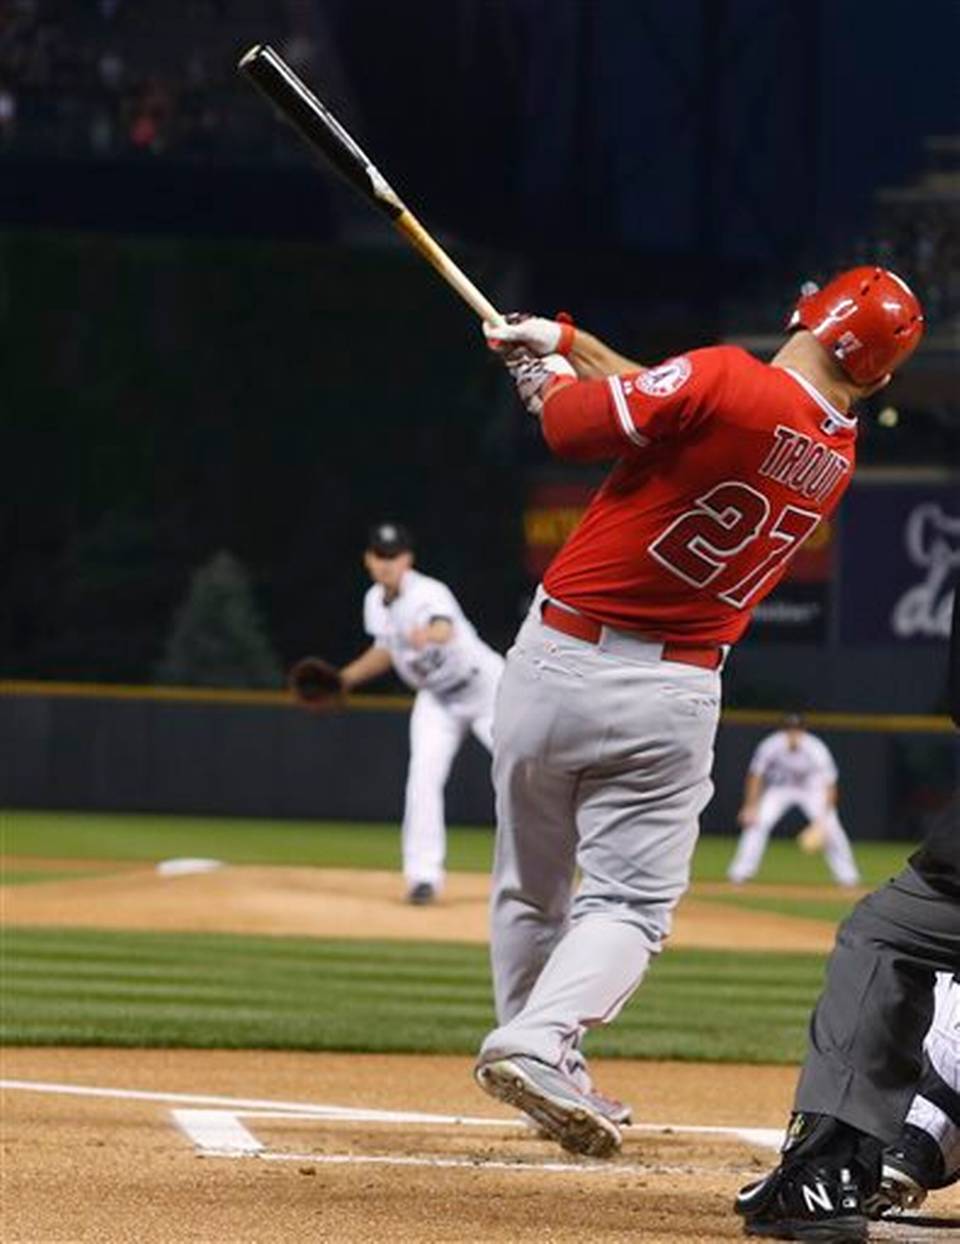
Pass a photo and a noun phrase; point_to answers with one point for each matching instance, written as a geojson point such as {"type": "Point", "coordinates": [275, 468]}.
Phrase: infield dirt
{"type": "Point", "coordinates": [119, 1170]}
{"type": "Point", "coordinates": [319, 902]}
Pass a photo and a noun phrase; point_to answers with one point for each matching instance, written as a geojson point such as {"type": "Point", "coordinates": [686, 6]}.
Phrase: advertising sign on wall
{"type": "Point", "coordinates": [901, 560]}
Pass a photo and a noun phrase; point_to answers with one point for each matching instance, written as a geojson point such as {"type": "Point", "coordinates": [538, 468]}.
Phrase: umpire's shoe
{"type": "Point", "coordinates": [805, 1201]}
{"type": "Point", "coordinates": [553, 1101]}
{"type": "Point", "coordinates": [827, 1170]}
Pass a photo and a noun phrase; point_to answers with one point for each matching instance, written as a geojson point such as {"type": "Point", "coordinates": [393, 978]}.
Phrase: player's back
{"type": "Point", "coordinates": [731, 464]}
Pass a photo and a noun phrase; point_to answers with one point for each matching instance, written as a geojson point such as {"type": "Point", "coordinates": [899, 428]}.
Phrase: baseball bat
{"type": "Point", "coordinates": [322, 132]}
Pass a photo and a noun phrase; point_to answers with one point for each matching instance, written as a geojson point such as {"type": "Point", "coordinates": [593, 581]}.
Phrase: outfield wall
{"type": "Point", "coordinates": [254, 754]}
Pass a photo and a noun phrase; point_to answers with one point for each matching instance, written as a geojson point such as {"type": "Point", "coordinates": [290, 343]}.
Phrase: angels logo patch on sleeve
{"type": "Point", "coordinates": [666, 379]}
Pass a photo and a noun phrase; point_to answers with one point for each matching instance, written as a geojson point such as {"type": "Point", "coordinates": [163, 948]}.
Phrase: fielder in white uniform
{"type": "Point", "coordinates": [418, 628]}
{"type": "Point", "coordinates": [792, 768]}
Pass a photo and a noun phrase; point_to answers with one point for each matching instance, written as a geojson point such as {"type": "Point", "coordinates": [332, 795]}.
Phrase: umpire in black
{"type": "Point", "coordinates": [865, 1055]}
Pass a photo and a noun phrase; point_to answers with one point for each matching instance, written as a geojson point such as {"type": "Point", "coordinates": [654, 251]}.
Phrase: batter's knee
{"type": "Point", "coordinates": [653, 920]}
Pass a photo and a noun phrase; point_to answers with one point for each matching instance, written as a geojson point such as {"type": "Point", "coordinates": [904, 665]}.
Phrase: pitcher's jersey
{"type": "Point", "coordinates": [726, 465]}
{"type": "Point", "coordinates": [808, 766]}
{"type": "Point", "coordinates": [437, 667]}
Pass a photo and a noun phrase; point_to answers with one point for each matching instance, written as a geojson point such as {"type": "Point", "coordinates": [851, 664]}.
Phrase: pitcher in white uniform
{"type": "Point", "coordinates": [792, 768]}
{"type": "Point", "coordinates": [418, 628]}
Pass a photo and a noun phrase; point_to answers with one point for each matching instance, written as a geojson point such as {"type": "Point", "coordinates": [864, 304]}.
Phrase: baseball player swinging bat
{"type": "Point", "coordinates": [321, 130]}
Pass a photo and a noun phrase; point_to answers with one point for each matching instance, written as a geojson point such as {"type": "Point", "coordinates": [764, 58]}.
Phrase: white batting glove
{"type": "Point", "coordinates": [533, 333]}
{"type": "Point", "coordinates": [532, 375]}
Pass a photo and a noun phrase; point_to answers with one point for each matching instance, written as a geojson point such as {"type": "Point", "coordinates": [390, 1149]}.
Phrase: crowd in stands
{"type": "Point", "coordinates": [917, 230]}
{"type": "Point", "coordinates": [117, 78]}
{"type": "Point", "coordinates": [112, 79]}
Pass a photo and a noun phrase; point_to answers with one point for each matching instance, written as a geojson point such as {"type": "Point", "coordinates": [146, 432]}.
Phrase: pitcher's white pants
{"type": "Point", "coordinates": [438, 727]}
{"type": "Point", "coordinates": [774, 802]}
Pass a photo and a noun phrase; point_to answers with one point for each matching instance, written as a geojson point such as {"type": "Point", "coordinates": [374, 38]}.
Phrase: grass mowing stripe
{"type": "Point", "coordinates": [357, 975]}
{"type": "Point", "coordinates": [214, 990]}
{"type": "Point", "coordinates": [332, 844]}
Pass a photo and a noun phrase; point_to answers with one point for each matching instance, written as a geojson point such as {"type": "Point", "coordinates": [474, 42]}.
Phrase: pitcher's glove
{"type": "Point", "coordinates": [812, 837]}
{"type": "Point", "coordinates": [315, 683]}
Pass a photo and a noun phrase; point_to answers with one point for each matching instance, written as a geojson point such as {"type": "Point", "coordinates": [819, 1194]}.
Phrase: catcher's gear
{"type": "Point", "coordinates": [868, 318]}
{"type": "Point", "coordinates": [315, 683]}
{"type": "Point", "coordinates": [812, 837]}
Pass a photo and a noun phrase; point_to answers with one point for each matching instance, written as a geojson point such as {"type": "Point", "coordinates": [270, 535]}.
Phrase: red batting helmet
{"type": "Point", "coordinates": [868, 318]}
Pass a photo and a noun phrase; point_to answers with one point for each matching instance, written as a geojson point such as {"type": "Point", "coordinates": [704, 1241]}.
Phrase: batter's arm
{"type": "Point", "coordinates": [590, 358]}
{"type": "Point", "coordinates": [373, 663]}
{"type": "Point", "coordinates": [593, 359]}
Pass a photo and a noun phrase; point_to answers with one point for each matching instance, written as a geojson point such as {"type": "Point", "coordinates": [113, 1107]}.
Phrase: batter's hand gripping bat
{"type": "Point", "coordinates": [324, 133]}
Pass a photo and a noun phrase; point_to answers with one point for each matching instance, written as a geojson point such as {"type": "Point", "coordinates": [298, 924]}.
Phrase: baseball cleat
{"type": "Point", "coordinates": [421, 894]}
{"type": "Point", "coordinates": [804, 1201]}
{"type": "Point", "coordinates": [618, 1112]}
{"type": "Point", "coordinates": [912, 1167]}
{"type": "Point", "coordinates": [553, 1102]}
{"type": "Point", "coordinates": [898, 1193]}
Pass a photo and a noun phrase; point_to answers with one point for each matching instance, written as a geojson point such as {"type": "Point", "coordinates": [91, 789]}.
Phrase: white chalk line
{"type": "Point", "coordinates": [254, 1107]}
{"type": "Point", "coordinates": [351, 1114]}
{"type": "Point", "coordinates": [219, 1132]}
{"type": "Point", "coordinates": [498, 1164]}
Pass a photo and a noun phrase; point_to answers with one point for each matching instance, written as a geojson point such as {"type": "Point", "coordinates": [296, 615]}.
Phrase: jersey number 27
{"type": "Point", "coordinates": [730, 540]}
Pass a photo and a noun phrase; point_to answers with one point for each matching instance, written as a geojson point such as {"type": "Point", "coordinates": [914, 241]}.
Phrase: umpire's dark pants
{"type": "Point", "coordinates": [866, 1035]}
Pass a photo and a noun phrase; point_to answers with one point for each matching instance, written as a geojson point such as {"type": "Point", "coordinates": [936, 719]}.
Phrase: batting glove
{"type": "Point", "coordinates": [532, 333]}
{"type": "Point", "coordinates": [533, 376]}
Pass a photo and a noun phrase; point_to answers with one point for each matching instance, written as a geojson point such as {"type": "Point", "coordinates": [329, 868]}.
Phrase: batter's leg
{"type": "Point", "coordinates": [535, 852]}
{"type": "Point", "coordinates": [637, 826]}
{"type": "Point", "coordinates": [435, 736]}
{"type": "Point", "coordinates": [753, 840]}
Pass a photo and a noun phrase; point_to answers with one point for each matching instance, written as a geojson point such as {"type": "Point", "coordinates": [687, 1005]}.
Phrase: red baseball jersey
{"type": "Point", "coordinates": [726, 465]}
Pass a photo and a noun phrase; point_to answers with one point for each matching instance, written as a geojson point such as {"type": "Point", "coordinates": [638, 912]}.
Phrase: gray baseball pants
{"type": "Point", "coordinates": [602, 758]}
{"type": "Point", "coordinates": [866, 1036]}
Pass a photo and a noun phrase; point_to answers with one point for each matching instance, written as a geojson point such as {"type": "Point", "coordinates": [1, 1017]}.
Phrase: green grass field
{"type": "Point", "coordinates": [75, 987]}
{"type": "Point", "coordinates": [80, 987]}
{"type": "Point", "coordinates": [329, 844]}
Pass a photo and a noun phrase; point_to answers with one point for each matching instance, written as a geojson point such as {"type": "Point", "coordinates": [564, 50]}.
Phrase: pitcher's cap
{"type": "Point", "coordinates": [389, 539]}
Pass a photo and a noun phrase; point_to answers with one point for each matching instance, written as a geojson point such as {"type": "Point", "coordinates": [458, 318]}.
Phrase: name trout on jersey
{"type": "Point", "coordinates": [803, 464]}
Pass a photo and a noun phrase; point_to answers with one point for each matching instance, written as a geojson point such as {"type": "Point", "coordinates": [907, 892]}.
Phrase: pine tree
{"type": "Point", "coordinates": [218, 639]}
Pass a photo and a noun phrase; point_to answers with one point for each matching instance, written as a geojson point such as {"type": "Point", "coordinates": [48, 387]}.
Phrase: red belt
{"type": "Point", "coordinates": [707, 656]}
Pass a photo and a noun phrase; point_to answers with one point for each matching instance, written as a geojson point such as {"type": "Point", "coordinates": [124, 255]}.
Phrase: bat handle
{"type": "Point", "coordinates": [455, 277]}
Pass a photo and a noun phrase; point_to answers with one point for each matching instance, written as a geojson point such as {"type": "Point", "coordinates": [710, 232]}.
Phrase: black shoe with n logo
{"type": "Point", "coordinates": [818, 1190]}
{"type": "Point", "coordinates": [805, 1201]}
